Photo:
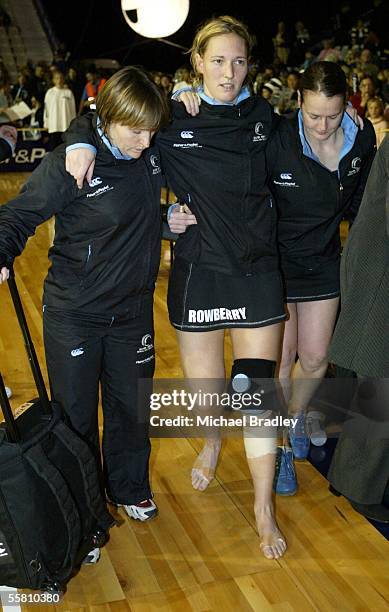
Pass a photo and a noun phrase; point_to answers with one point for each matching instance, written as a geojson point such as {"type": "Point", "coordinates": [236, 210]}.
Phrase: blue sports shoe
{"type": "Point", "coordinates": [299, 438]}
{"type": "Point", "coordinates": [285, 480]}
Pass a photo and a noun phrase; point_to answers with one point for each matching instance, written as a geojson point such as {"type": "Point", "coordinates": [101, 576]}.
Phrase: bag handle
{"type": "Point", "coordinates": [34, 364]}
{"type": "Point", "coordinates": [12, 430]}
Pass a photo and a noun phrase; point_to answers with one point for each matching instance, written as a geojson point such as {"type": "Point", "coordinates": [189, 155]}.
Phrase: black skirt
{"type": "Point", "coordinates": [309, 280]}
{"type": "Point", "coordinates": [200, 299]}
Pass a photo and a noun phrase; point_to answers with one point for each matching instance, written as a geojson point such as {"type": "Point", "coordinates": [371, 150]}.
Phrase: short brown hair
{"type": "Point", "coordinates": [131, 98]}
{"type": "Point", "coordinates": [217, 26]}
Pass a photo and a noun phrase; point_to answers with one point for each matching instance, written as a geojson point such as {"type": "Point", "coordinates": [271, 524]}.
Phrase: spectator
{"type": "Point", "coordinates": [359, 33]}
{"type": "Point", "coordinates": [373, 43]}
{"type": "Point", "coordinates": [274, 86]}
{"type": "Point", "coordinates": [309, 59]}
{"type": "Point", "coordinates": [302, 34]}
{"type": "Point", "coordinates": [8, 137]}
{"type": "Point", "coordinates": [19, 91]}
{"type": "Point", "coordinates": [351, 57]}
{"type": "Point", "coordinates": [39, 82]}
{"type": "Point", "coordinates": [60, 59]}
{"type": "Point", "coordinates": [375, 112]}
{"type": "Point", "coordinates": [383, 79]}
{"type": "Point", "coordinates": [75, 83]}
{"type": "Point", "coordinates": [263, 77]}
{"type": "Point", "coordinates": [36, 120]}
{"type": "Point", "coordinates": [28, 73]}
{"type": "Point", "coordinates": [366, 91]}
{"type": "Point", "coordinates": [266, 91]}
{"type": "Point", "coordinates": [281, 43]}
{"type": "Point", "coordinates": [36, 117]}
{"type": "Point", "coordinates": [300, 44]}
{"type": "Point", "coordinates": [60, 109]}
{"type": "Point", "coordinates": [289, 102]}
{"type": "Point", "coordinates": [181, 78]}
{"type": "Point", "coordinates": [269, 73]}
{"type": "Point", "coordinates": [93, 85]}
{"type": "Point", "coordinates": [258, 82]}
{"type": "Point", "coordinates": [166, 84]}
{"type": "Point", "coordinates": [156, 77]}
{"type": "Point", "coordinates": [329, 53]}
{"type": "Point", "coordinates": [366, 64]}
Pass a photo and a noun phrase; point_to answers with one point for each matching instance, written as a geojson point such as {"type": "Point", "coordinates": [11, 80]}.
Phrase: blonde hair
{"type": "Point", "coordinates": [376, 100]}
{"type": "Point", "coordinates": [130, 98]}
{"type": "Point", "coordinates": [217, 26]}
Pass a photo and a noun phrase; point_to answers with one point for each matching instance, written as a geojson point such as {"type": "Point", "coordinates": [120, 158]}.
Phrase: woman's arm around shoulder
{"type": "Point", "coordinates": [81, 149]}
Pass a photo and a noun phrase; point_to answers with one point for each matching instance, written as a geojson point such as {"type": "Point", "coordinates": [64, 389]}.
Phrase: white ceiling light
{"type": "Point", "coordinates": [156, 18]}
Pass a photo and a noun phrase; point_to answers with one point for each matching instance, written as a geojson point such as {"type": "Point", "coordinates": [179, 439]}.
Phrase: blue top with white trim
{"type": "Point", "coordinates": [350, 131]}
{"type": "Point", "coordinates": [243, 94]}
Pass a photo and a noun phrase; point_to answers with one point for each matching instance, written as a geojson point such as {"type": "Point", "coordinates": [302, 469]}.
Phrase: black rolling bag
{"type": "Point", "coordinates": [52, 512]}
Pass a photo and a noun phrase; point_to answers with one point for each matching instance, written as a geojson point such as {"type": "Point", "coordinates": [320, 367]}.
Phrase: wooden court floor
{"type": "Point", "coordinates": [202, 552]}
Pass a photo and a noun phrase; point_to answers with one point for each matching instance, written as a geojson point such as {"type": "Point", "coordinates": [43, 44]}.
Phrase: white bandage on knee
{"type": "Point", "coordinates": [259, 442]}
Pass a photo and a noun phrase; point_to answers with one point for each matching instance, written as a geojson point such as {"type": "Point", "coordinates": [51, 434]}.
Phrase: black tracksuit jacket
{"type": "Point", "coordinates": [311, 200]}
{"type": "Point", "coordinates": [215, 162]}
{"type": "Point", "coordinates": [106, 250]}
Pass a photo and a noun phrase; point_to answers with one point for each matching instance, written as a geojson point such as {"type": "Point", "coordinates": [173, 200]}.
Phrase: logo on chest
{"type": "Point", "coordinates": [154, 161]}
{"type": "Point", "coordinates": [99, 191]}
{"type": "Point", "coordinates": [259, 135]}
{"type": "Point", "coordinates": [187, 135]}
{"type": "Point", "coordinates": [95, 181]}
{"type": "Point", "coordinates": [286, 180]}
{"type": "Point", "coordinates": [355, 166]}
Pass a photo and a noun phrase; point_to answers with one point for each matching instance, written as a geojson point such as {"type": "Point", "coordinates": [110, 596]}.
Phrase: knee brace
{"type": "Point", "coordinates": [245, 370]}
{"type": "Point", "coordinates": [247, 377]}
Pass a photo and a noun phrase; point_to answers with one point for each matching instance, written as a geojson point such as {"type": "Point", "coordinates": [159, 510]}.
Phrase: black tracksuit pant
{"type": "Point", "coordinates": [85, 352]}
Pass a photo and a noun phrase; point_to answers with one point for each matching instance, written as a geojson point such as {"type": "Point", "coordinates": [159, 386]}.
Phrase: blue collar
{"type": "Point", "coordinates": [114, 150]}
{"type": "Point", "coordinates": [243, 94]}
{"type": "Point", "coordinates": [350, 131]}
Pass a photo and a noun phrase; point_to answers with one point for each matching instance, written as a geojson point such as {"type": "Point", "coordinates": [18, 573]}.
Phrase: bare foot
{"type": "Point", "coordinates": [204, 467]}
{"type": "Point", "coordinates": [273, 543]}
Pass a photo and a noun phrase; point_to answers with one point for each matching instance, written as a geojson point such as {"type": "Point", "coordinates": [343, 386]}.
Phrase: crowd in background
{"type": "Point", "coordinates": [59, 91]}
{"type": "Point", "coordinates": [55, 93]}
{"type": "Point", "coordinates": [367, 75]}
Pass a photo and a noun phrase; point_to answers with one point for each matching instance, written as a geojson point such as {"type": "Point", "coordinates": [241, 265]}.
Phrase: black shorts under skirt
{"type": "Point", "coordinates": [200, 299]}
{"type": "Point", "coordinates": [307, 280]}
